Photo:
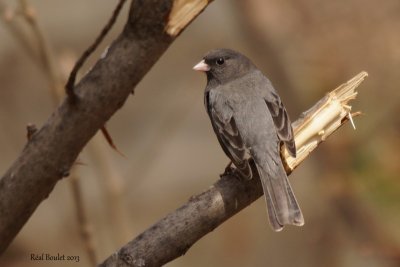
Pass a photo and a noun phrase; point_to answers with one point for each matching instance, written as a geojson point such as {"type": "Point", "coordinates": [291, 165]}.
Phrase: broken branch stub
{"type": "Point", "coordinates": [317, 123]}
{"type": "Point", "coordinates": [182, 13]}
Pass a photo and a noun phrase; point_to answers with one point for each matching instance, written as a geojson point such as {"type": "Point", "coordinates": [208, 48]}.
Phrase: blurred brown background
{"type": "Point", "coordinates": [349, 189]}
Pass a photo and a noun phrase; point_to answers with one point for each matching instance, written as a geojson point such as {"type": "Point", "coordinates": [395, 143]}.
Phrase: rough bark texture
{"type": "Point", "coordinates": [51, 151]}
{"type": "Point", "coordinates": [173, 235]}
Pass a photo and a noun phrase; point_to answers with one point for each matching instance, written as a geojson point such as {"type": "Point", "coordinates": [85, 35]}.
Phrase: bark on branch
{"type": "Point", "coordinates": [173, 235]}
{"type": "Point", "coordinates": [50, 152]}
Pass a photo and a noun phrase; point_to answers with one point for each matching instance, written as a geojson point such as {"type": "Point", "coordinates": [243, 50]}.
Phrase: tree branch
{"type": "Point", "coordinates": [173, 235]}
{"type": "Point", "coordinates": [51, 151]}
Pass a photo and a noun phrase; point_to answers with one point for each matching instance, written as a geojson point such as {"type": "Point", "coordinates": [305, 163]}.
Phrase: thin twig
{"type": "Point", "coordinates": [109, 140]}
{"type": "Point", "coordinates": [69, 87]}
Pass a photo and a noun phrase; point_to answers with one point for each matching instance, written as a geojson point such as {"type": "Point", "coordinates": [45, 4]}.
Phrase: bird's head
{"type": "Point", "coordinates": [224, 65]}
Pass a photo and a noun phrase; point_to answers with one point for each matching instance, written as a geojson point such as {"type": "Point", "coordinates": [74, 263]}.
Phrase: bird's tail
{"type": "Point", "coordinates": [281, 202]}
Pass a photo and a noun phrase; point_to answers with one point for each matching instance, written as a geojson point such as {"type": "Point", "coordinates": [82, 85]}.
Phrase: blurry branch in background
{"type": "Point", "coordinates": [40, 54]}
{"type": "Point", "coordinates": [85, 227]}
{"type": "Point", "coordinates": [44, 57]}
{"type": "Point", "coordinates": [51, 151]}
{"type": "Point", "coordinates": [173, 235]}
{"type": "Point", "coordinates": [7, 15]}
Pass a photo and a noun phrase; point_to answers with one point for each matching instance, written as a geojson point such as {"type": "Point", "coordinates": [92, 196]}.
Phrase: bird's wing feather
{"type": "Point", "coordinates": [225, 127]}
{"type": "Point", "coordinates": [281, 120]}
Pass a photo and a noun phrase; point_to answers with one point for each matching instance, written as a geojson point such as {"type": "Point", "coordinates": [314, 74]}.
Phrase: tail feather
{"type": "Point", "coordinates": [272, 217]}
{"type": "Point", "coordinates": [281, 202]}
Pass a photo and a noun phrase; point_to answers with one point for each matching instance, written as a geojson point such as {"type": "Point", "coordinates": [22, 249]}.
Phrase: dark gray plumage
{"type": "Point", "coordinates": [250, 122]}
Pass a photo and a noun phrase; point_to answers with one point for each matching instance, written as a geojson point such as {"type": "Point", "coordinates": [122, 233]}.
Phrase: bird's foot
{"type": "Point", "coordinates": [229, 170]}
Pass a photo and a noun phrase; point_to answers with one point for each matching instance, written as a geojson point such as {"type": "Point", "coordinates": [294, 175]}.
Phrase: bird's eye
{"type": "Point", "coordinates": [220, 61]}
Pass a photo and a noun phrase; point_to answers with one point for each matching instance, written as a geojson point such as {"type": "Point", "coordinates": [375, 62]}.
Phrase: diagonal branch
{"type": "Point", "coordinates": [51, 151]}
{"type": "Point", "coordinates": [173, 235]}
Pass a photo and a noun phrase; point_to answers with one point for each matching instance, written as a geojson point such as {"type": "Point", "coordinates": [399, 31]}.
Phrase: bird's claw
{"type": "Point", "coordinates": [229, 171]}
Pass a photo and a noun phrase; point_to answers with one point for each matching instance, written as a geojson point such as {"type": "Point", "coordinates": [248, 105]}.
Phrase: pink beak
{"type": "Point", "coordinates": [202, 66]}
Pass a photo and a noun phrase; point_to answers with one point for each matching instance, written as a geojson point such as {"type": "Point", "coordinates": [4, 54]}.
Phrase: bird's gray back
{"type": "Point", "coordinates": [244, 100]}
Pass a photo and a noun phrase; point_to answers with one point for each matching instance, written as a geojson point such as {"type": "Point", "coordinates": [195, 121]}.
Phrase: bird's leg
{"type": "Point", "coordinates": [228, 170]}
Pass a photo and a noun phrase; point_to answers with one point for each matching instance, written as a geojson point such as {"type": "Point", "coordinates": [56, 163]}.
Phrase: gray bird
{"type": "Point", "coordinates": [250, 122]}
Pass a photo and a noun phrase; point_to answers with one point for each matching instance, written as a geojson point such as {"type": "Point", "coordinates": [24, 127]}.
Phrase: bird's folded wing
{"type": "Point", "coordinates": [230, 140]}
{"type": "Point", "coordinates": [281, 121]}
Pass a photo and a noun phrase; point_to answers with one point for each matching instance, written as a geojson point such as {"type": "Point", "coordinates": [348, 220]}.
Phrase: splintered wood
{"type": "Point", "coordinates": [325, 117]}
{"type": "Point", "coordinates": [182, 13]}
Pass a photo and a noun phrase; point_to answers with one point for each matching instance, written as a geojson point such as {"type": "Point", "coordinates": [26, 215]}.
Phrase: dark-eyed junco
{"type": "Point", "coordinates": [250, 122]}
